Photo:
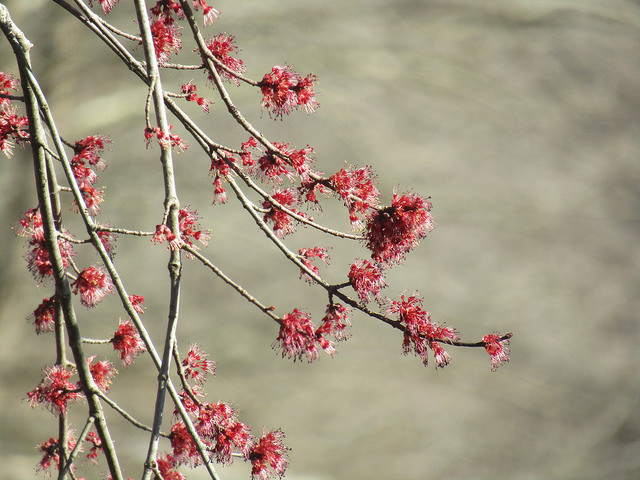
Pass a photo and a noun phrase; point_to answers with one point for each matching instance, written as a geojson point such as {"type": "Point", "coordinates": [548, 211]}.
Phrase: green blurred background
{"type": "Point", "coordinates": [520, 118]}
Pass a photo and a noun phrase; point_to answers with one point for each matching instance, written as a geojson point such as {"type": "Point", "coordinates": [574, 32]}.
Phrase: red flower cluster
{"type": "Point", "coordinates": [393, 231]}
{"type": "Point", "coordinates": [190, 228]}
{"type": "Point", "coordinates": [127, 341]}
{"type": "Point", "coordinates": [189, 90]}
{"type": "Point", "coordinates": [106, 5]}
{"type": "Point", "coordinates": [89, 150]}
{"type": "Point", "coordinates": [12, 128]}
{"type": "Point", "coordinates": [44, 316]}
{"type": "Point", "coordinates": [51, 452]}
{"type": "Point", "coordinates": [420, 332]}
{"type": "Point", "coordinates": [221, 47]}
{"type": "Point", "coordinates": [283, 223]}
{"type": "Point", "coordinates": [38, 260]}
{"type": "Point", "coordinates": [357, 189]}
{"type": "Point", "coordinates": [270, 452]}
{"type": "Point", "coordinates": [366, 279]}
{"type": "Point", "coordinates": [497, 348]}
{"type": "Point", "coordinates": [196, 366]}
{"type": "Point", "coordinates": [93, 285]}
{"type": "Point", "coordinates": [102, 373]}
{"type": "Point", "coordinates": [55, 390]}
{"type": "Point", "coordinates": [283, 90]}
{"type": "Point", "coordinates": [307, 255]}
{"type": "Point", "coordinates": [299, 337]}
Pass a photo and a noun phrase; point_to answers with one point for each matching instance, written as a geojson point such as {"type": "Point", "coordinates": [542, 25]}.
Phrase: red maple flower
{"type": "Point", "coordinates": [91, 149]}
{"type": "Point", "coordinates": [12, 129]}
{"type": "Point", "coordinates": [166, 465]}
{"type": "Point", "coordinates": [108, 240]}
{"type": "Point", "coordinates": [93, 285]}
{"type": "Point", "coordinates": [190, 228]}
{"type": "Point", "coordinates": [127, 341]}
{"type": "Point", "coordinates": [106, 5]}
{"type": "Point", "coordinates": [420, 333]}
{"type": "Point", "coordinates": [51, 452]}
{"type": "Point", "coordinates": [166, 38]}
{"type": "Point", "coordinates": [283, 90]}
{"type": "Point", "coordinates": [283, 223]}
{"type": "Point", "coordinates": [357, 189]}
{"type": "Point", "coordinates": [7, 82]}
{"type": "Point", "coordinates": [234, 435]}
{"type": "Point", "coordinates": [210, 13]}
{"type": "Point", "coordinates": [307, 255]}
{"type": "Point", "coordinates": [269, 452]}
{"type": "Point", "coordinates": [393, 231]}
{"type": "Point", "coordinates": [196, 366]}
{"type": "Point", "coordinates": [184, 449]}
{"type": "Point", "coordinates": [137, 302]}
{"type": "Point", "coordinates": [189, 90]}
{"type": "Point", "coordinates": [96, 446]}
{"type": "Point", "coordinates": [366, 279]}
{"type": "Point", "coordinates": [497, 347]}
{"type": "Point", "coordinates": [335, 322]}
{"type": "Point", "coordinates": [275, 167]}
{"type": "Point", "coordinates": [55, 390]}
{"type": "Point", "coordinates": [221, 47]}
{"type": "Point", "coordinates": [102, 373]}
{"type": "Point", "coordinates": [297, 336]}
{"type": "Point", "coordinates": [43, 316]}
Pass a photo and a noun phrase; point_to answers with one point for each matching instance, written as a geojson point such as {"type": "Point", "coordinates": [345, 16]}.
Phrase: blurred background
{"type": "Point", "coordinates": [519, 118]}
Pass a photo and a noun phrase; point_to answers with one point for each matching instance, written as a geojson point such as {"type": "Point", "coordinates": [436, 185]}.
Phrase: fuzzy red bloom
{"type": "Point", "coordinates": [235, 435]}
{"type": "Point", "coordinates": [274, 167]}
{"type": "Point", "coordinates": [307, 255]}
{"type": "Point", "coordinates": [366, 279]}
{"type": "Point", "coordinates": [283, 90]}
{"type": "Point", "coordinates": [189, 90]}
{"type": "Point", "coordinates": [12, 128]}
{"type": "Point", "coordinates": [222, 47]}
{"type": "Point", "coordinates": [165, 140]}
{"type": "Point", "coordinates": [297, 336]}
{"type": "Point", "coordinates": [91, 149]}
{"type": "Point", "coordinates": [184, 449]}
{"type": "Point", "coordinates": [92, 199]}
{"type": "Point", "coordinates": [420, 333]}
{"type": "Point", "coordinates": [51, 452]}
{"type": "Point", "coordinates": [137, 302]}
{"type": "Point", "coordinates": [166, 38]}
{"type": "Point", "coordinates": [166, 465]}
{"type": "Point", "coordinates": [108, 240]}
{"type": "Point", "coordinates": [210, 14]}
{"type": "Point", "coordinates": [393, 231]}
{"type": "Point", "coordinates": [497, 347]}
{"type": "Point", "coordinates": [214, 416]}
{"type": "Point", "coordinates": [127, 341]}
{"type": "Point", "coordinates": [164, 233]}
{"type": "Point", "coordinates": [196, 366]}
{"type": "Point", "coordinates": [190, 228]}
{"type": "Point", "coordinates": [283, 223]}
{"type": "Point", "coordinates": [96, 446]}
{"type": "Point", "coordinates": [106, 5]}
{"type": "Point", "coordinates": [38, 260]}
{"type": "Point", "coordinates": [335, 322]}
{"type": "Point", "coordinates": [55, 390]}
{"type": "Point", "coordinates": [269, 452]}
{"type": "Point", "coordinates": [44, 316]}
{"type": "Point", "coordinates": [7, 82]}
{"type": "Point", "coordinates": [93, 285]}
{"type": "Point", "coordinates": [102, 373]}
{"type": "Point", "coordinates": [357, 189]}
